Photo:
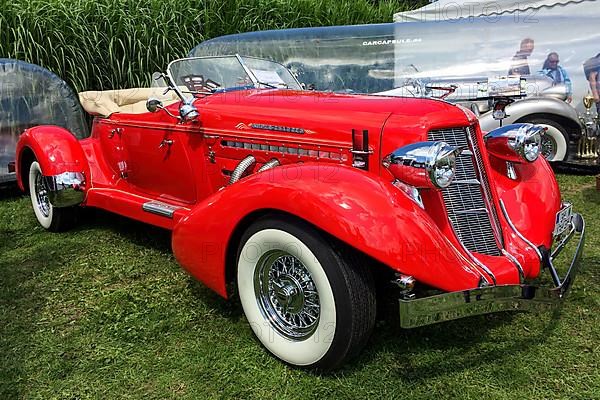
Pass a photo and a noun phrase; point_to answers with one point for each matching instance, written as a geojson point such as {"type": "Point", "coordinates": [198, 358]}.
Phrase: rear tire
{"type": "Point", "coordinates": [307, 303]}
{"type": "Point", "coordinates": [51, 218]}
{"type": "Point", "coordinates": [555, 143]}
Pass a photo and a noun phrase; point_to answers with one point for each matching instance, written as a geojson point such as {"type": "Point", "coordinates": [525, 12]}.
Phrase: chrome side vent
{"type": "Point", "coordinates": [468, 198]}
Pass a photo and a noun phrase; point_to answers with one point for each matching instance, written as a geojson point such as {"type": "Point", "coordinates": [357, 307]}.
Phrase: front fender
{"type": "Point", "coordinates": [360, 209]}
{"type": "Point", "coordinates": [528, 106]}
{"type": "Point", "coordinates": [531, 200]}
{"type": "Point", "coordinates": [56, 149]}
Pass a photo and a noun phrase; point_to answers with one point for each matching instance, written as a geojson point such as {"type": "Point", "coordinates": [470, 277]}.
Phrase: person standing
{"type": "Point", "coordinates": [591, 68]}
{"type": "Point", "coordinates": [558, 74]}
{"type": "Point", "coordinates": [520, 65]}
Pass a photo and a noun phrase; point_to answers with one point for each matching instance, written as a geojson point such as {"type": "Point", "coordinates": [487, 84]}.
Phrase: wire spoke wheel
{"type": "Point", "coordinates": [307, 302]}
{"type": "Point", "coordinates": [548, 147]}
{"type": "Point", "coordinates": [287, 295]}
{"type": "Point", "coordinates": [41, 193]}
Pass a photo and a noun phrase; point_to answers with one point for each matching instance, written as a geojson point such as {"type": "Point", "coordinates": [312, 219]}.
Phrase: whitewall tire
{"type": "Point", "coordinates": [555, 143]}
{"type": "Point", "coordinates": [51, 218]}
{"type": "Point", "coordinates": [39, 196]}
{"type": "Point", "coordinates": [305, 303]}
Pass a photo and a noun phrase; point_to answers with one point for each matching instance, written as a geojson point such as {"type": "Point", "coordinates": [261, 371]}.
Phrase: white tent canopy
{"type": "Point", "coordinates": [456, 9]}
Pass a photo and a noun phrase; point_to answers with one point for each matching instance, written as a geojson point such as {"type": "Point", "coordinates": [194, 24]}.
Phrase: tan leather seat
{"type": "Point", "coordinates": [127, 101]}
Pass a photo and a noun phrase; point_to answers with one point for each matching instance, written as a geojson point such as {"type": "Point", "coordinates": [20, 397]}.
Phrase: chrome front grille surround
{"type": "Point", "coordinates": [468, 199]}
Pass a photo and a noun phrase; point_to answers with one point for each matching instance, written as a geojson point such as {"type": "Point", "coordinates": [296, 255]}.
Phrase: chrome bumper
{"type": "Point", "coordinates": [66, 189]}
{"type": "Point", "coordinates": [8, 178]}
{"type": "Point", "coordinates": [455, 305]}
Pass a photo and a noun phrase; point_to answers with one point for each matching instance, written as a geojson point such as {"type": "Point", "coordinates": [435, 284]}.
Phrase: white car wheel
{"type": "Point", "coordinates": [292, 291]}
{"type": "Point", "coordinates": [51, 218]}
{"type": "Point", "coordinates": [39, 196]}
{"type": "Point", "coordinates": [555, 143]}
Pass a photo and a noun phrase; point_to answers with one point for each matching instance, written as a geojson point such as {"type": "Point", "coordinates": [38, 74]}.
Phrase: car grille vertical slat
{"type": "Point", "coordinates": [468, 198]}
{"type": "Point", "coordinates": [485, 183]}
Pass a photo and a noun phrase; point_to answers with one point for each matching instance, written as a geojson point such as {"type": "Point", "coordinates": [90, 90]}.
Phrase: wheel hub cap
{"type": "Point", "coordinates": [548, 147]}
{"type": "Point", "coordinates": [287, 295]}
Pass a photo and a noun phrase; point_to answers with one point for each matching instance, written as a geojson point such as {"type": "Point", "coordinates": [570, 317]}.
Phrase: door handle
{"type": "Point", "coordinates": [113, 131]}
{"type": "Point", "coordinates": [165, 142]}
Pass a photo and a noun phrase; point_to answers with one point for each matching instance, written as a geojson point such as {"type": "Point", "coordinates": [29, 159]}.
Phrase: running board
{"type": "Point", "coordinates": [160, 208]}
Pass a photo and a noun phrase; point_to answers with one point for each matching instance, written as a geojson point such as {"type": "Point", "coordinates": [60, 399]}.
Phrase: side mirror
{"type": "Point", "coordinates": [153, 105]}
{"type": "Point", "coordinates": [188, 113]}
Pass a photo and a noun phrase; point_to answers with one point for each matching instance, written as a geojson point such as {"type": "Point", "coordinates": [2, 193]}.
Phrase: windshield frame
{"type": "Point", "coordinates": [256, 83]}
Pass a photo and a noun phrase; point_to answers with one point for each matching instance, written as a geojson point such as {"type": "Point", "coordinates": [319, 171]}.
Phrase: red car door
{"type": "Point", "coordinates": [158, 162]}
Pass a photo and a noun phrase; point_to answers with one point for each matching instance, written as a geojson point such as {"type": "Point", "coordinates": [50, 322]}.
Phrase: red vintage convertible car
{"type": "Point", "coordinates": [302, 197]}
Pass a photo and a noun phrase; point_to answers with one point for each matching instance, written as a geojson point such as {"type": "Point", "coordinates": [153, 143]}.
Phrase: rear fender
{"type": "Point", "coordinates": [56, 150]}
{"type": "Point", "coordinates": [521, 109]}
{"type": "Point", "coordinates": [362, 210]}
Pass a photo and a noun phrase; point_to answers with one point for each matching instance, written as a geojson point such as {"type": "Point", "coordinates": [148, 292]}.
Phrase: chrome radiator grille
{"type": "Point", "coordinates": [474, 222]}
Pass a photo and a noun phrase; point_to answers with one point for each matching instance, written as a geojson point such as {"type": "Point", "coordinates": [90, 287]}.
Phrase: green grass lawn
{"type": "Point", "coordinates": [104, 311]}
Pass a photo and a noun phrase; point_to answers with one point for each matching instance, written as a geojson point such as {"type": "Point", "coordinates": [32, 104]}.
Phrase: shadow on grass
{"type": "Point", "coordinates": [229, 308]}
{"type": "Point", "coordinates": [575, 169]}
{"type": "Point", "coordinates": [10, 191]}
{"type": "Point", "coordinates": [156, 238]}
{"type": "Point", "coordinates": [427, 353]}
{"type": "Point", "coordinates": [138, 233]}
{"type": "Point", "coordinates": [9, 237]}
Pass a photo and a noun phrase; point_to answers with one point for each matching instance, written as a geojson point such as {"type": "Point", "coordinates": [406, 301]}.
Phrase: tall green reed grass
{"type": "Point", "coordinates": [111, 44]}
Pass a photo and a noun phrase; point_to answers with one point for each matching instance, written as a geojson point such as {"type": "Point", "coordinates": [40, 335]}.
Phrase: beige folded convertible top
{"type": "Point", "coordinates": [128, 101]}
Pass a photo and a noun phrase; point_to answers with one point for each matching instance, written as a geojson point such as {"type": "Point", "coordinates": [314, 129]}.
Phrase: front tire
{"type": "Point", "coordinates": [555, 143]}
{"type": "Point", "coordinates": [51, 218]}
{"type": "Point", "coordinates": [307, 303]}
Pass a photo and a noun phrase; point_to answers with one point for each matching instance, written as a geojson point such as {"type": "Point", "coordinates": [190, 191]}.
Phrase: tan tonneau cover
{"type": "Point", "coordinates": [128, 101]}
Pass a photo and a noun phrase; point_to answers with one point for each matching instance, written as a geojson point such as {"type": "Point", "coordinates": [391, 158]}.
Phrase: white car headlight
{"type": "Point", "coordinates": [516, 142]}
{"type": "Point", "coordinates": [424, 164]}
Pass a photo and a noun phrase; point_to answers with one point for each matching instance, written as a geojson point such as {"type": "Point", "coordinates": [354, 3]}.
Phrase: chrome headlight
{"type": "Point", "coordinates": [516, 142]}
{"type": "Point", "coordinates": [424, 164]}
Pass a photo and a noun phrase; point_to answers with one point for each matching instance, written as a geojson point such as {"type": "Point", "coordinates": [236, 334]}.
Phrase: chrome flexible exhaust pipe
{"type": "Point", "coordinates": [241, 169]}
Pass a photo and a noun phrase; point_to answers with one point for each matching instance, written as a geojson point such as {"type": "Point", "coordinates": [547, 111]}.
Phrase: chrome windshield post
{"type": "Point", "coordinates": [253, 77]}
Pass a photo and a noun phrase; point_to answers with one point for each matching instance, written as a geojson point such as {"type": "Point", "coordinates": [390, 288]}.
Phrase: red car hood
{"type": "Point", "coordinates": [330, 117]}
